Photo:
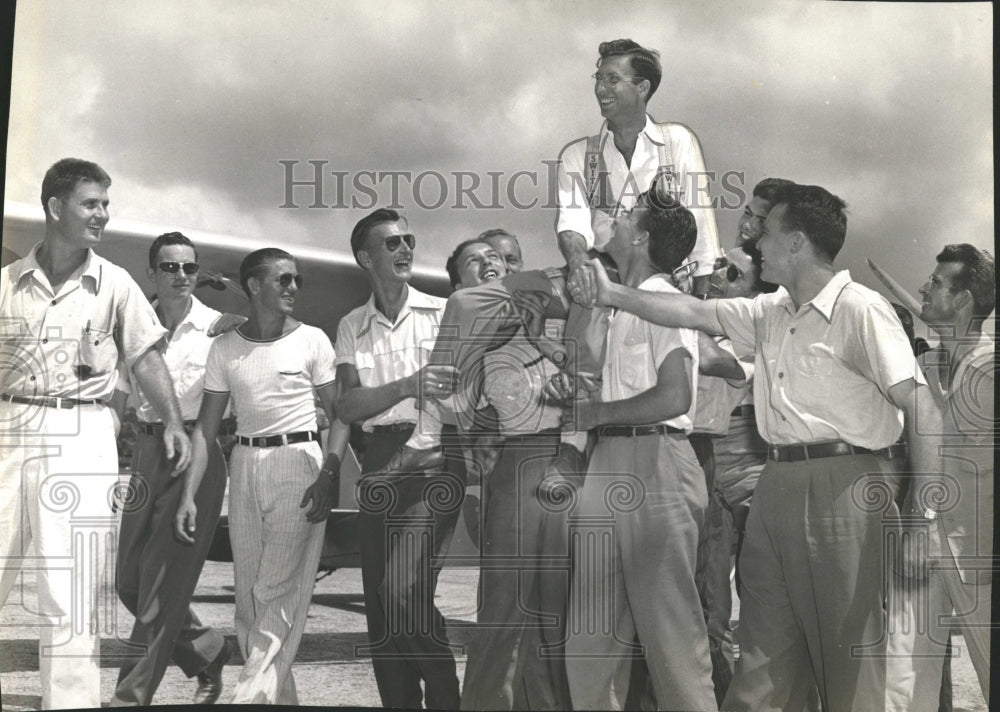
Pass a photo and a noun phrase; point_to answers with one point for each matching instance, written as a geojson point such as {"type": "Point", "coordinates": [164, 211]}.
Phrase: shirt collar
{"type": "Point", "coordinates": [651, 130]}
{"type": "Point", "coordinates": [825, 301]}
{"type": "Point", "coordinates": [415, 299]}
{"type": "Point", "coordinates": [90, 268]}
{"type": "Point", "coordinates": [199, 316]}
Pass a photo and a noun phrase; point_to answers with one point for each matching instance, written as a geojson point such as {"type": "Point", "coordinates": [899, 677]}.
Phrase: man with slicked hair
{"type": "Point", "coordinates": [957, 300]}
{"type": "Point", "coordinates": [835, 382]}
{"type": "Point", "coordinates": [408, 519]}
{"type": "Point", "coordinates": [273, 368]}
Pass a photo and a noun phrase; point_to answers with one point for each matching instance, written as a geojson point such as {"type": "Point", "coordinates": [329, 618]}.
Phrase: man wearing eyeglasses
{"type": "Point", "coordinates": [67, 316]}
{"type": "Point", "coordinates": [601, 175]}
{"type": "Point", "coordinates": [406, 519]}
{"type": "Point", "coordinates": [157, 573]}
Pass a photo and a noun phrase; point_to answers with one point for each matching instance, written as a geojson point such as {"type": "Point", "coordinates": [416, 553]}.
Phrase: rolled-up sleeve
{"type": "Point", "coordinates": [139, 328]}
{"type": "Point", "coordinates": [574, 209]}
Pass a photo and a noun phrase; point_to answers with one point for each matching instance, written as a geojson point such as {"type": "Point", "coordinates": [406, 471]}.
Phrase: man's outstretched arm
{"type": "Point", "coordinates": [665, 309]}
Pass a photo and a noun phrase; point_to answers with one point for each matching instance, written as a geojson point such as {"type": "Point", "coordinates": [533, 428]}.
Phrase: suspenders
{"type": "Point", "coordinates": [599, 195]}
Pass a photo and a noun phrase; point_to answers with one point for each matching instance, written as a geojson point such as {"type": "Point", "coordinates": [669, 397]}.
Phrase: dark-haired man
{"type": "Point", "coordinates": [273, 368]}
{"type": "Point", "coordinates": [156, 573]}
{"type": "Point", "coordinates": [750, 224]}
{"type": "Point", "coordinates": [601, 175]}
{"type": "Point", "coordinates": [67, 316]}
{"type": "Point", "coordinates": [635, 530]}
{"type": "Point", "coordinates": [835, 379]}
{"type": "Point", "coordinates": [957, 299]}
{"type": "Point", "coordinates": [514, 660]}
{"type": "Point", "coordinates": [381, 351]}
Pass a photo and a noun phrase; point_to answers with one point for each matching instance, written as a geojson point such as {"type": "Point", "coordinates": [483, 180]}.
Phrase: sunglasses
{"type": "Point", "coordinates": [393, 242]}
{"type": "Point", "coordinates": [287, 278]}
{"type": "Point", "coordinates": [732, 271]}
{"type": "Point", "coordinates": [174, 267]}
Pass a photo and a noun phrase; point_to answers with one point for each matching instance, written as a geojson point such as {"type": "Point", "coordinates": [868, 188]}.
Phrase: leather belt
{"type": "Point", "coordinates": [796, 453]}
{"type": "Point", "coordinates": [158, 428]}
{"type": "Point", "coordinates": [50, 402]}
{"type": "Point", "coordinates": [630, 431]}
{"type": "Point", "coordinates": [816, 451]}
{"type": "Point", "coordinates": [894, 451]}
{"type": "Point", "coordinates": [742, 411]}
{"type": "Point", "coordinates": [303, 436]}
{"type": "Point", "coordinates": [394, 427]}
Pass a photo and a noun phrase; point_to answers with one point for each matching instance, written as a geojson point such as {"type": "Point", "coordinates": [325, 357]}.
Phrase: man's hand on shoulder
{"type": "Point", "coordinates": [225, 322]}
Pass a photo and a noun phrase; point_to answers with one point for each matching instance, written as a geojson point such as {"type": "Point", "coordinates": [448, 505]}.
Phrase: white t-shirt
{"type": "Point", "coordinates": [271, 382]}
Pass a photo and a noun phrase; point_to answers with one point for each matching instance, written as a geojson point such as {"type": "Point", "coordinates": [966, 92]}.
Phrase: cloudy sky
{"type": "Point", "coordinates": [191, 106]}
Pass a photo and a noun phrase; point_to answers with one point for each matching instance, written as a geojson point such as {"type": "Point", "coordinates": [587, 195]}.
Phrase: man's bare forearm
{"type": "Point", "coordinates": [665, 309]}
{"type": "Point", "coordinates": [572, 245]}
{"type": "Point", "coordinates": [154, 379]}
{"type": "Point", "coordinates": [360, 402]}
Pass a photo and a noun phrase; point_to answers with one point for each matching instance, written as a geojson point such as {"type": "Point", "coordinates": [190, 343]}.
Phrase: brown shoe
{"type": "Point", "coordinates": [210, 679]}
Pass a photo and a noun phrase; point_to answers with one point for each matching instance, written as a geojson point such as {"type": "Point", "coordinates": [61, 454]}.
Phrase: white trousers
{"type": "Point", "coordinates": [275, 557]}
{"type": "Point", "coordinates": [58, 471]}
{"type": "Point", "coordinates": [921, 615]}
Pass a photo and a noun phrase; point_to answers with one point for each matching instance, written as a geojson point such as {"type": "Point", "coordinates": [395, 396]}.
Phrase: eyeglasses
{"type": "Point", "coordinates": [393, 242]}
{"type": "Point", "coordinates": [732, 271]}
{"type": "Point", "coordinates": [287, 278]}
{"type": "Point", "coordinates": [173, 267]}
{"type": "Point", "coordinates": [612, 80]}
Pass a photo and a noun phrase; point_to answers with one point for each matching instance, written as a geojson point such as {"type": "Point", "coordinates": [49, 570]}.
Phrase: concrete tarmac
{"type": "Point", "coordinates": [328, 670]}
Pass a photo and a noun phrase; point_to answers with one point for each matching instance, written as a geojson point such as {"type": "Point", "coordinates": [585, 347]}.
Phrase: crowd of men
{"type": "Point", "coordinates": [640, 418]}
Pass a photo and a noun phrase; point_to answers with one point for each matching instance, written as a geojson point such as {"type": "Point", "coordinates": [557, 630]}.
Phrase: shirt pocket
{"type": "Point", "coordinates": [634, 366]}
{"type": "Point", "coordinates": [98, 353]}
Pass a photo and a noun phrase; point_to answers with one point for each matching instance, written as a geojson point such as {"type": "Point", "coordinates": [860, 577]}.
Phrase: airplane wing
{"type": "Point", "coordinates": [334, 285]}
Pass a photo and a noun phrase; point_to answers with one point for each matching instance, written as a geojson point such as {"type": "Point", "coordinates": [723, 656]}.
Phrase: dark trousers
{"type": "Point", "coordinates": [405, 522]}
{"type": "Point", "coordinates": [157, 574]}
{"type": "Point", "coordinates": [516, 660]}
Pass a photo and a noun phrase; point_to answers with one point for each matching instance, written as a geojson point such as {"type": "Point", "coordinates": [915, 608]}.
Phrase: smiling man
{"type": "Point", "coordinates": [381, 348]}
{"type": "Point", "coordinates": [67, 316]}
{"type": "Point", "coordinates": [836, 380]}
{"type": "Point", "coordinates": [601, 175]}
{"type": "Point", "coordinates": [273, 368]}
{"type": "Point", "coordinates": [156, 573]}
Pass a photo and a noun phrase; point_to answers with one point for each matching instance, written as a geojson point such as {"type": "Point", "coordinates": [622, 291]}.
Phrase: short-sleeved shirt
{"type": "Point", "coordinates": [516, 374]}
{"type": "Point", "coordinates": [627, 182]}
{"type": "Point", "coordinates": [823, 371]}
{"type": "Point", "coordinates": [68, 344]}
{"type": "Point", "coordinates": [717, 397]}
{"type": "Point", "coordinates": [271, 382]}
{"type": "Point", "coordinates": [383, 352]}
{"type": "Point", "coordinates": [185, 352]}
{"type": "Point", "coordinates": [636, 349]}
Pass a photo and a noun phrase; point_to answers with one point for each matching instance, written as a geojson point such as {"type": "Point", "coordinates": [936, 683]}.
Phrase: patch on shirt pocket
{"type": "Point", "coordinates": [817, 362]}
{"type": "Point", "coordinates": [634, 362]}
